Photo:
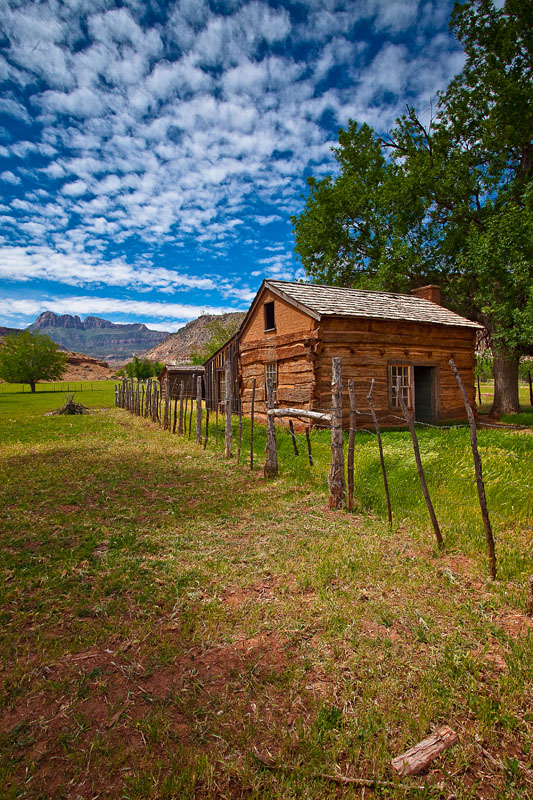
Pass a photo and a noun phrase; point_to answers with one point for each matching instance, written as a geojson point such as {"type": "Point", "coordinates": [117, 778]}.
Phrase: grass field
{"type": "Point", "coordinates": [172, 621]}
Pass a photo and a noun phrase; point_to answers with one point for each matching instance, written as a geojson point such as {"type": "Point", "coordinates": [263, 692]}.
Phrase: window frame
{"type": "Point", "coordinates": [270, 304]}
{"type": "Point", "coordinates": [407, 388]}
{"type": "Point", "coordinates": [272, 366]}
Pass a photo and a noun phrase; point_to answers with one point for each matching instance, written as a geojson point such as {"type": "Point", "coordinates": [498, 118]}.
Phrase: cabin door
{"type": "Point", "coordinates": [424, 394]}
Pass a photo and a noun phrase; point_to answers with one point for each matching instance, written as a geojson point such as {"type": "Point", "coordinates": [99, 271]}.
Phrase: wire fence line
{"type": "Point", "coordinates": [175, 414]}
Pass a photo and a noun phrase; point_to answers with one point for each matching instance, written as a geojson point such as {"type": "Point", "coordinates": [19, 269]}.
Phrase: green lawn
{"type": "Point", "coordinates": [172, 621]}
{"type": "Point", "coordinates": [526, 415]}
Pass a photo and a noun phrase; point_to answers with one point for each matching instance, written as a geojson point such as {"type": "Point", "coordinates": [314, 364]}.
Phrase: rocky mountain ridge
{"type": "Point", "coordinates": [97, 337]}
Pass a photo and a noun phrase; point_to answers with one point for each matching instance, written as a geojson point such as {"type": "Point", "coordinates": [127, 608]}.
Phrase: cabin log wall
{"type": "Point", "coordinates": [367, 347]}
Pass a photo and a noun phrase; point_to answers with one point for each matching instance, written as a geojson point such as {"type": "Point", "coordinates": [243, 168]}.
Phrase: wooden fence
{"type": "Point", "coordinates": [176, 414]}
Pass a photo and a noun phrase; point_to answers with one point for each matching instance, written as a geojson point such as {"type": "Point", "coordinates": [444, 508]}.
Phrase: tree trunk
{"type": "Point", "coordinates": [505, 385]}
{"type": "Point", "coordinates": [32, 385]}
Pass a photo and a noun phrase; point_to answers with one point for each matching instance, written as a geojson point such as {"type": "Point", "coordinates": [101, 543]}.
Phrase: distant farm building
{"type": "Point", "coordinates": [176, 373]}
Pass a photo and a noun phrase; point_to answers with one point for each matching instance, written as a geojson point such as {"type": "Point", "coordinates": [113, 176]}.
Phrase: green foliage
{"type": "Point", "coordinates": [141, 368]}
{"type": "Point", "coordinates": [525, 368]}
{"type": "Point", "coordinates": [219, 331]}
{"type": "Point", "coordinates": [450, 203]}
{"type": "Point", "coordinates": [484, 369]}
{"type": "Point", "coordinates": [30, 357]}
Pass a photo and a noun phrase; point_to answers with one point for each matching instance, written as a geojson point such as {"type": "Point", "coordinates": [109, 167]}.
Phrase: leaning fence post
{"type": "Point", "coordinates": [227, 441]}
{"type": "Point", "coordinates": [138, 398]}
{"type": "Point", "coordinates": [478, 470]}
{"type": "Point", "coordinates": [418, 460]}
{"type": "Point", "coordinates": [199, 409]}
{"type": "Point", "coordinates": [351, 440]}
{"type": "Point", "coordinates": [308, 440]}
{"type": "Point", "coordinates": [252, 427]}
{"type": "Point", "coordinates": [294, 442]}
{"type": "Point", "coordinates": [337, 486]}
{"type": "Point", "coordinates": [381, 458]}
{"type": "Point", "coordinates": [271, 464]}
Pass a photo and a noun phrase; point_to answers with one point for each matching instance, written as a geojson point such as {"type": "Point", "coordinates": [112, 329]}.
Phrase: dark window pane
{"type": "Point", "coordinates": [269, 316]}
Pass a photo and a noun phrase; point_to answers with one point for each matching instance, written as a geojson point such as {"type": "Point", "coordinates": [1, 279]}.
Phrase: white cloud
{"type": "Point", "coordinates": [184, 134]}
{"type": "Point", "coordinates": [30, 307]}
{"type": "Point", "coordinates": [9, 177]}
{"type": "Point", "coordinates": [43, 263]}
{"type": "Point", "coordinates": [75, 189]}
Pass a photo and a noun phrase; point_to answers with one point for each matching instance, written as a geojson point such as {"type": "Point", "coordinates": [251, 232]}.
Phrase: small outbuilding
{"type": "Point", "coordinates": [176, 373]}
{"type": "Point", "coordinates": [293, 330]}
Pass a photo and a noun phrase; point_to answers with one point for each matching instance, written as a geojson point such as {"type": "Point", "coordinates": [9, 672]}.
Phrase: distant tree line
{"type": "Point", "coordinates": [141, 368]}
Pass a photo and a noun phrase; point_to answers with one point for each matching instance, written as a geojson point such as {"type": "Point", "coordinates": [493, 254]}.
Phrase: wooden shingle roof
{"type": "Point", "coordinates": [334, 301]}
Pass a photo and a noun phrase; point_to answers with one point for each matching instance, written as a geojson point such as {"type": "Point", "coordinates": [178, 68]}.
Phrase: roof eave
{"type": "Point", "coordinates": [296, 303]}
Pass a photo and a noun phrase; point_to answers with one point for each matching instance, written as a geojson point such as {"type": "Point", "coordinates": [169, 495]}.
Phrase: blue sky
{"type": "Point", "coordinates": [152, 153]}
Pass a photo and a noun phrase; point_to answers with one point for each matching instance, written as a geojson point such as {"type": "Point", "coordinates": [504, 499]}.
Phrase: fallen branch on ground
{"type": "Point", "coordinates": [69, 407]}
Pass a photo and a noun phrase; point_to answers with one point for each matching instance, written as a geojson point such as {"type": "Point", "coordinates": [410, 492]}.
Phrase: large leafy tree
{"type": "Point", "coordinates": [451, 202]}
{"type": "Point", "coordinates": [30, 357]}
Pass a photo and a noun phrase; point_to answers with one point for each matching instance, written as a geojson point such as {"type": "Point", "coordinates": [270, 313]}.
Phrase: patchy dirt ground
{"type": "Point", "coordinates": [176, 627]}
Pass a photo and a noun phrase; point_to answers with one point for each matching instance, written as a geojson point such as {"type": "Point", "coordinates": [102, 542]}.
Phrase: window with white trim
{"type": "Point", "coordinates": [271, 373]}
{"type": "Point", "coordinates": [403, 372]}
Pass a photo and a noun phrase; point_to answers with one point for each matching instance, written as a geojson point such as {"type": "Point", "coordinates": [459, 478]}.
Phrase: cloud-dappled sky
{"type": "Point", "coordinates": [152, 153]}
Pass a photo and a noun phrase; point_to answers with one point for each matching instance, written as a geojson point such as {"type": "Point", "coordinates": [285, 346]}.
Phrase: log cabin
{"type": "Point", "coordinates": [293, 330]}
{"type": "Point", "coordinates": [176, 373]}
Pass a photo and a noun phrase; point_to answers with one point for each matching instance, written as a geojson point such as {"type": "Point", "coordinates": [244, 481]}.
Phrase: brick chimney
{"type": "Point", "coordinates": [431, 293]}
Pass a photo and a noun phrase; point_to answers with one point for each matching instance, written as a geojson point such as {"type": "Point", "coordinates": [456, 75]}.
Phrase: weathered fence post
{"type": "Point", "coordinates": [239, 445]}
{"type": "Point", "coordinates": [337, 486]}
{"type": "Point", "coordinates": [293, 437]}
{"type": "Point", "coordinates": [143, 390]}
{"type": "Point", "coordinates": [175, 422]}
{"type": "Point", "coordinates": [199, 409]}
{"type": "Point", "coordinates": [147, 397]}
{"type": "Point", "coordinates": [351, 440]}
{"type": "Point", "coordinates": [138, 398]}
{"type": "Point", "coordinates": [167, 403]}
{"type": "Point", "coordinates": [185, 414]}
{"type": "Point", "coordinates": [252, 426]}
{"type": "Point", "coordinates": [418, 460]}
{"type": "Point", "coordinates": [155, 403]}
{"type": "Point", "coordinates": [206, 423]}
{"type": "Point", "coordinates": [227, 440]}
{"type": "Point", "coordinates": [182, 392]}
{"type": "Point", "coordinates": [478, 470]}
{"type": "Point", "coordinates": [381, 458]}
{"type": "Point", "coordinates": [192, 404]}
{"type": "Point", "coordinates": [216, 413]}
{"type": "Point", "coordinates": [308, 440]}
{"type": "Point", "coordinates": [271, 463]}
